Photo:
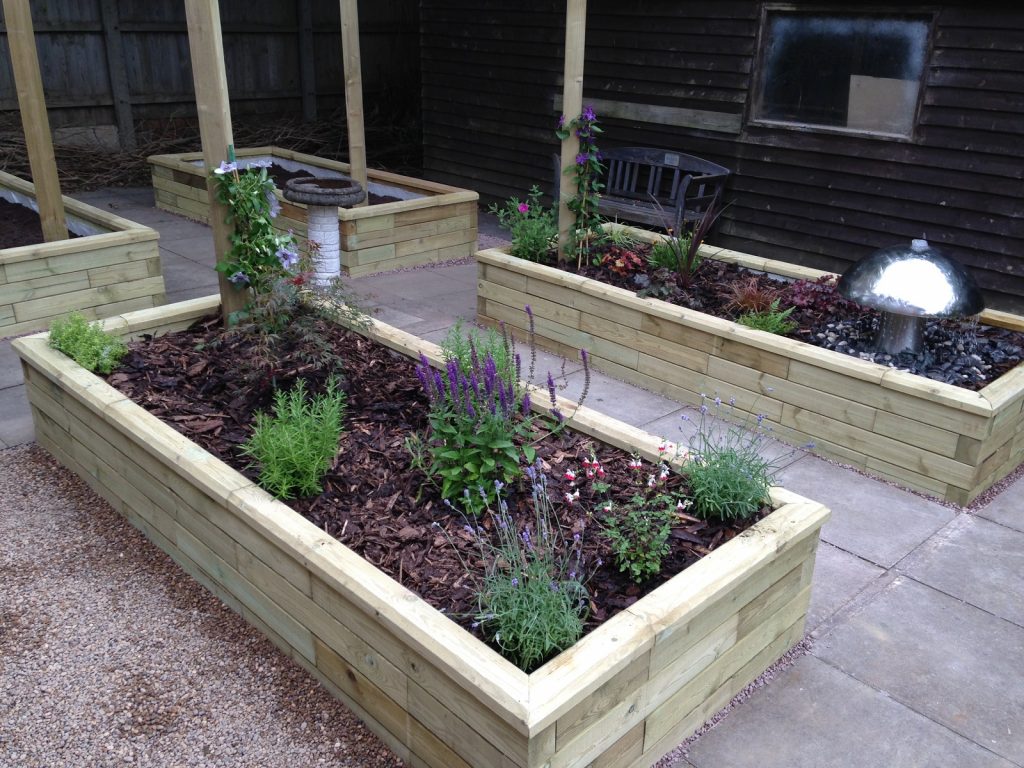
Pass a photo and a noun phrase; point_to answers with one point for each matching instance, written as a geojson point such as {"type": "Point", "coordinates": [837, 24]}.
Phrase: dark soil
{"type": "Point", "coordinates": [208, 386]}
{"type": "Point", "coordinates": [20, 226]}
{"type": "Point", "coordinates": [959, 352]}
{"type": "Point", "coordinates": [282, 176]}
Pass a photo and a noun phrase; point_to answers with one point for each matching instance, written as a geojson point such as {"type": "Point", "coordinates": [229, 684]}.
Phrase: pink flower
{"type": "Point", "coordinates": [524, 208]}
{"type": "Point", "coordinates": [570, 475]}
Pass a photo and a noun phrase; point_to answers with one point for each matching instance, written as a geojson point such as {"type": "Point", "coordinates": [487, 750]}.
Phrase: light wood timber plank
{"type": "Point", "coordinates": [670, 331]}
{"type": "Point", "coordinates": [504, 278]}
{"type": "Point", "coordinates": [941, 441]}
{"type": "Point", "coordinates": [907, 478]}
{"type": "Point", "coordinates": [179, 189]}
{"type": "Point", "coordinates": [426, 231]}
{"type": "Point", "coordinates": [1003, 319]}
{"type": "Point", "coordinates": [441, 212]}
{"type": "Point", "coordinates": [756, 650]}
{"type": "Point", "coordinates": [365, 226]}
{"type": "Point", "coordinates": [1006, 391]}
{"type": "Point", "coordinates": [790, 392]}
{"type": "Point", "coordinates": [120, 273]}
{"type": "Point", "coordinates": [685, 725]}
{"type": "Point", "coordinates": [937, 393]}
{"type": "Point", "coordinates": [465, 740]}
{"type": "Point", "coordinates": [570, 297]}
{"type": "Point", "coordinates": [412, 260]}
{"type": "Point", "coordinates": [880, 447]}
{"type": "Point", "coordinates": [370, 256]}
{"type": "Point", "coordinates": [389, 714]}
{"type": "Point", "coordinates": [420, 244]}
{"type": "Point", "coordinates": [278, 619]}
{"type": "Point", "coordinates": [624, 751]}
{"type": "Point", "coordinates": [159, 320]}
{"type": "Point", "coordinates": [32, 261]}
{"type": "Point", "coordinates": [735, 351]}
{"type": "Point", "coordinates": [598, 721]}
{"type": "Point", "coordinates": [92, 297]}
{"type": "Point", "coordinates": [41, 287]}
{"type": "Point", "coordinates": [429, 751]}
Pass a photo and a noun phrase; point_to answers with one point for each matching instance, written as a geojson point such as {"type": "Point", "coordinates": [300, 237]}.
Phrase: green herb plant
{"type": "Point", "coordinates": [586, 172]}
{"type": "Point", "coordinates": [639, 534]}
{"type": "Point", "coordinates": [728, 474]}
{"type": "Point", "coordinates": [295, 446]}
{"type": "Point", "coordinates": [86, 343]}
{"type": "Point", "coordinates": [772, 320]}
{"type": "Point", "coordinates": [531, 592]}
{"type": "Point", "coordinates": [533, 227]}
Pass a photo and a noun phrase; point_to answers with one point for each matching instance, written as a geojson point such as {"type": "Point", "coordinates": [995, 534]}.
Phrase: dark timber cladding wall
{"type": "Point", "coordinates": [99, 56]}
{"type": "Point", "coordinates": [680, 74]}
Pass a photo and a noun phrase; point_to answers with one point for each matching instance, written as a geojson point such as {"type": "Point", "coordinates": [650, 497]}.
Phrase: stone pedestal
{"type": "Point", "coordinates": [323, 197]}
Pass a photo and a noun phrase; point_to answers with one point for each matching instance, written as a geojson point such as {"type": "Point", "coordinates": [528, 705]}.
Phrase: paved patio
{"type": "Point", "coordinates": [917, 616]}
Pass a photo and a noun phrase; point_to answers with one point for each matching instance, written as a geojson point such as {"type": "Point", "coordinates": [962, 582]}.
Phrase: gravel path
{"type": "Point", "coordinates": [110, 655]}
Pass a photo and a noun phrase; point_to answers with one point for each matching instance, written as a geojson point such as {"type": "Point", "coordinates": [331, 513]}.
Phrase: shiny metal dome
{"type": "Point", "coordinates": [908, 285]}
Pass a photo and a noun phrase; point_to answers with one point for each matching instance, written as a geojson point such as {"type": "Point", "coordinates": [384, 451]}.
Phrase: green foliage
{"type": "Point", "coordinates": [531, 595]}
{"type": "Point", "coordinates": [586, 173]}
{"type": "Point", "coordinates": [86, 343]}
{"type": "Point", "coordinates": [295, 446]}
{"type": "Point", "coordinates": [639, 534]}
{"type": "Point", "coordinates": [259, 254]}
{"type": "Point", "coordinates": [728, 475]}
{"type": "Point", "coordinates": [463, 344]}
{"type": "Point", "coordinates": [772, 320]}
{"type": "Point", "coordinates": [671, 253]}
{"type": "Point", "coordinates": [533, 227]}
{"type": "Point", "coordinates": [621, 237]}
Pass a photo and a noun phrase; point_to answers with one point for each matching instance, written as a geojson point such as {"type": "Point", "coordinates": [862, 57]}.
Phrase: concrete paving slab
{"type": "Point", "coordinates": [620, 400]}
{"type": "Point", "coordinates": [838, 578]}
{"type": "Point", "coordinates": [814, 716]}
{"type": "Point", "coordinates": [869, 518]}
{"type": "Point", "coordinates": [10, 366]}
{"type": "Point", "coordinates": [180, 273]}
{"type": "Point", "coordinates": [197, 248]}
{"type": "Point", "coordinates": [1007, 508]}
{"type": "Point", "coordinates": [949, 661]}
{"type": "Point", "coordinates": [185, 294]}
{"type": "Point", "coordinates": [978, 561]}
{"type": "Point", "coordinates": [16, 422]}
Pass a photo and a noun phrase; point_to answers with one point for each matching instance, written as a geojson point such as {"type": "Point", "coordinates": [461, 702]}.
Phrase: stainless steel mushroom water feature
{"type": "Point", "coordinates": [322, 198]}
{"type": "Point", "coordinates": [908, 286]}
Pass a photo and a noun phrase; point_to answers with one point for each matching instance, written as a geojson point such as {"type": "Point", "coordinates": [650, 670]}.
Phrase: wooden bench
{"type": "Point", "coordinates": [683, 185]}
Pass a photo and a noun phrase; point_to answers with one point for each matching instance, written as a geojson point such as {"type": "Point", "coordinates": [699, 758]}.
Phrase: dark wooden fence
{"type": "Point", "coordinates": [122, 62]}
{"type": "Point", "coordinates": [681, 73]}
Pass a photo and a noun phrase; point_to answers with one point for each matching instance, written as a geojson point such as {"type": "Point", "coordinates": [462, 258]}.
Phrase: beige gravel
{"type": "Point", "coordinates": [110, 655]}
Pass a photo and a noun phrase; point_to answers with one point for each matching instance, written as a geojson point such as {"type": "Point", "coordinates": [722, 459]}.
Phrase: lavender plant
{"type": "Point", "coordinates": [728, 473]}
{"type": "Point", "coordinates": [586, 172]}
{"type": "Point", "coordinates": [531, 595]}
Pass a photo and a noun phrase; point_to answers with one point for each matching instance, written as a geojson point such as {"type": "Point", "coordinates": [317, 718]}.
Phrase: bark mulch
{"type": "Point", "coordinates": [208, 385]}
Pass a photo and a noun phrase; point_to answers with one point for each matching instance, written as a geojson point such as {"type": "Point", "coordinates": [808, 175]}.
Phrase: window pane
{"type": "Point", "coordinates": [858, 72]}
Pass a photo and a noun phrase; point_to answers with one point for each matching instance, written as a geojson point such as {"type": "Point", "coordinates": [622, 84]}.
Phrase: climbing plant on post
{"type": "Point", "coordinates": [585, 173]}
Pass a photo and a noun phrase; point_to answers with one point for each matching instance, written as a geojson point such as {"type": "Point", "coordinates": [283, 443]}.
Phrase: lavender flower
{"type": "Point", "coordinates": [515, 582]}
{"type": "Point", "coordinates": [525, 405]}
{"type": "Point", "coordinates": [551, 390]}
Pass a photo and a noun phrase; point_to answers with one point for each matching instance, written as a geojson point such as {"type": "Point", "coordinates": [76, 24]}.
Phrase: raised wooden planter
{"type": "Point", "coordinates": [436, 222]}
{"type": "Point", "coordinates": [112, 267]}
{"type": "Point", "coordinates": [923, 434]}
{"type": "Point", "coordinates": [623, 696]}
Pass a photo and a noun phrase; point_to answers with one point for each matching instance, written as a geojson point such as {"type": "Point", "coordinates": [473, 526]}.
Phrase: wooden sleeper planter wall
{"type": "Point", "coordinates": [923, 434]}
{"type": "Point", "coordinates": [623, 696]}
{"type": "Point", "coordinates": [113, 267]}
{"type": "Point", "coordinates": [437, 223]}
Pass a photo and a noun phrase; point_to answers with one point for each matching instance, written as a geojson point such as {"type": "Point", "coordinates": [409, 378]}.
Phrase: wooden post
{"type": "Point", "coordinates": [353, 91]}
{"type": "Point", "coordinates": [211, 84]}
{"type": "Point", "coordinates": [307, 60]}
{"type": "Point", "coordinates": [36, 124]}
{"type": "Point", "coordinates": [572, 105]}
{"type": "Point", "coordinates": [118, 75]}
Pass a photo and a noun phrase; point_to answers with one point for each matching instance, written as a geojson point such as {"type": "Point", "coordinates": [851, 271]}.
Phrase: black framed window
{"type": "Point", "coordinates": [858, 72]}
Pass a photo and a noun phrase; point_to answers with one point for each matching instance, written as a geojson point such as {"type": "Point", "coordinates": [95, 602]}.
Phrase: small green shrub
{"type": "Point", "coordinates": [639, 535]}
{"type": "Point", "coordinates": [728, 476]}
{"type": "Point", "coordinates": [772, 320]}
{"type": "Point", "coordinates": [295, 446]}
{"type": "Point", "coordinates": [531, 594]}
{"type": "Point", "coordinates": [86, 343]}
{"type": "Point", "coordinates": [671, 253]}
{"type": "Point", "coordinates": [533, 227]}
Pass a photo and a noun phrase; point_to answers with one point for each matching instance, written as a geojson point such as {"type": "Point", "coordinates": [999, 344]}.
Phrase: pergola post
{"type": "Point", "coordinates": [211, 86]}
{"type": "Point", "coordinates": [34, 120]}
{"type": "Point", "coordinates": [353, 91]}
{"type": "Point", "coordinates": [572, 105]}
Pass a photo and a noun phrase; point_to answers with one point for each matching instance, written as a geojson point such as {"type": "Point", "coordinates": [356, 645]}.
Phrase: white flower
{"type": "Point", "coordinates": [225, 167]}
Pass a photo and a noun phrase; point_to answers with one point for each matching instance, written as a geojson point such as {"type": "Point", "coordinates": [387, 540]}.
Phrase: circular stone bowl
{"type": "Point", "coordinates": [339, 193]}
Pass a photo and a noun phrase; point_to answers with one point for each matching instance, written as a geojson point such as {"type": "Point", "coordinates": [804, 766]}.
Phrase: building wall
{"type": "Point", "coordinates": [681, 74]}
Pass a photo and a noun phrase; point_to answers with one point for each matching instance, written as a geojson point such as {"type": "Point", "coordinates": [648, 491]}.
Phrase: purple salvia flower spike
{"type": "Point", "coordinates": [526, 404]}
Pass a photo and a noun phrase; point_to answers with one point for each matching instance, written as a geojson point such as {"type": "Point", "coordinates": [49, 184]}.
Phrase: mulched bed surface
{"type": "Point", "coordinates": [964, 353]}
{"type": "Point", "coordinates": [206, 386]}
{"type": "Point", "coordinates": [20, 226]}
